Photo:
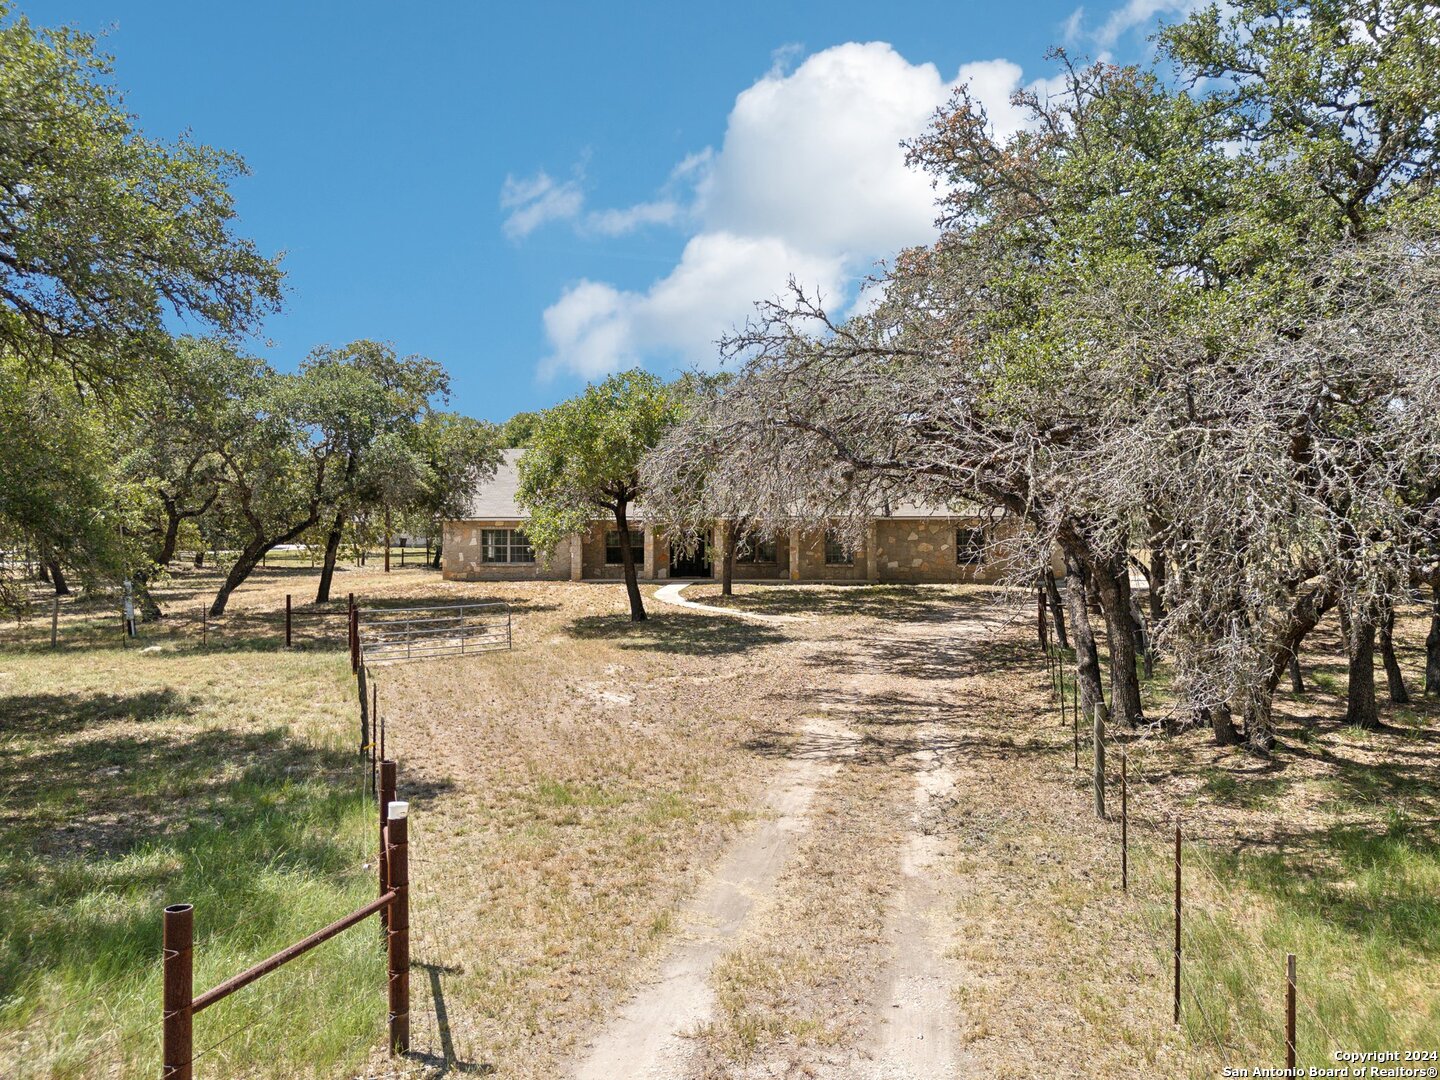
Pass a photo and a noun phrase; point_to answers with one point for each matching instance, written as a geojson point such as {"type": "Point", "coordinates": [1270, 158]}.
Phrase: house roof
{"type": "Point", "coordinates": [495, 499]}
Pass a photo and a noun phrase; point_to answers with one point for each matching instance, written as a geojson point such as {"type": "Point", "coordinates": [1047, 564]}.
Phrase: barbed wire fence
{"type": "Point", "coordinates": [1124, 765]}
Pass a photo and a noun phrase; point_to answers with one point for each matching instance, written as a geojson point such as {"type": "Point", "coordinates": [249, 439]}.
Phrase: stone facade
{"type": "Point", "coordinates": [461, 556]}
{"type": "Point", "coordinates": [901, 550]}
{"type": "Point", "coordinates": [924, 551]}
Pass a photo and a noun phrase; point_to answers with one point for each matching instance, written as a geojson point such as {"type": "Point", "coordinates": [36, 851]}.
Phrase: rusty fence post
{"type": "Point", "coordinates": [374, 727]}
{"type": "Point", "coordinates": [387, 796]}
{"type": "Point", "coordinates": [287, 620]}
{"type": "Point", "coordinates": [1177, 922]}
{"type": "Point", "coordinates": [178, 938]}
{"type": "Point", "coordinates": [1290, 1011]}
{"type": "Point", "coordinates": [398, 936]}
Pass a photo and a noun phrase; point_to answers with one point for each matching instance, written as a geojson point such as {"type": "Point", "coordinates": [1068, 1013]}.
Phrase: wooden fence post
{"type": "Point", "coordinates": [398, 936]}
{"type": "Point", "coordinates": [177, 1046]}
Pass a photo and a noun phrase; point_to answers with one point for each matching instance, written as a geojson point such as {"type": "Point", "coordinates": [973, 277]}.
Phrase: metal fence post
{"type": "Point", "coordinates": [1177, 923]}
{"type": "Point", "coordinates": [287, 620]}
{"type": "Point", "coordinates": [177, 1046]}
{"type": "Point", "coordinates": [55, 624]}
{"type": "Point", "coordinates": [1290, 1011]}
{"type": "Point", "coordinates": [387, 796]}
{"type": "Point", "coordinates": [1099, 761]}
{"type": "Point", "coordinates": [1124, 820]}
{"type": "Point", "coordinates": [398, 937]}
{"type": "Point", "coordinates": [204, 626]}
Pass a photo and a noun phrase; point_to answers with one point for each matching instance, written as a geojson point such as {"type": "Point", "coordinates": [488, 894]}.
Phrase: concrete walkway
{"type": "Point", "coordinates": [670, 594]}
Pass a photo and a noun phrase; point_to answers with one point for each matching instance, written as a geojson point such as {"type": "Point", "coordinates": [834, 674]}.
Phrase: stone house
{"type": "Point", "coordinates": [911, 544]}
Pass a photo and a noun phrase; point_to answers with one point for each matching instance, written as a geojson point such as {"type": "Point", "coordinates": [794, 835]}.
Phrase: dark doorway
{"type": "Point", "coordinates": [694, 564]}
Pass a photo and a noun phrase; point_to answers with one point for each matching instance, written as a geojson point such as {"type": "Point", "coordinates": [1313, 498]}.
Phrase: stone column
{"type": "Point", "coordinates": [649, 566]}
{"type": "Point", "coordinates": [794, 554]}
{"type": "Point", "coordinates": [872, 553]}
{"type": "Point", "coordinates": [577, 556]}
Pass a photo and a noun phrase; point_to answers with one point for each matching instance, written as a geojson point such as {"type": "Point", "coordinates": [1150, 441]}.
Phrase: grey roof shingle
{"type": "Point", "coordinates": [495, 499]}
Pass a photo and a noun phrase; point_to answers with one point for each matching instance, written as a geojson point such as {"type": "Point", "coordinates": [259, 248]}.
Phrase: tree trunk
{"type": "Point", "coordinates": [1360, 707]}
{"type": "Point", "coordinates": [1394, 679]}
{"type": "Point", "coordinates": [247, 560]}
{"type": "Point", "coordinates": [1158, 572]}
{"type": "Point", "coordinates": [1087, 657]}
{"type": "Point", "coordinates": [57, 576]}
{"type": "Point", "coordinates": [627, 560]}
{"type": "Point", "coordinates": [1057, 609]}
{"type": "Point", "coordinates": [727, 566]}
{"type": "Point", "coordinates": [1222, 723]}
{"type": "Point", "coordinates": [436, 563]}
{"type": "Point", "coordinates": [1113, 581]}
{"type": "Point", "coordinates": [44, 572]}
{"type": "Point", "coordinates": [1142, 637]}
{"type": "Point", "coordinates": [332, 555]}
{"type": "Point", "coordinates": [1259, 724]}
{"type": "Point", "coordinates": [1297, 680]}
{"type": "Point", "coordinates": [199, 557]}
{"type": "Point", "coordinates": [1432, 642]}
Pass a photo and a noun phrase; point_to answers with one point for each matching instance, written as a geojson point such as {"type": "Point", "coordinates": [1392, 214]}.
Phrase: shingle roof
{"type": "Point", "coordinates": [495, 499]}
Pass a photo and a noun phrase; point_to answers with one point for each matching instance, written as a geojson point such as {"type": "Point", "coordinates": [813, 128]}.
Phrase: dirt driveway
{"type": "Point", "coordinates": [706, 846]}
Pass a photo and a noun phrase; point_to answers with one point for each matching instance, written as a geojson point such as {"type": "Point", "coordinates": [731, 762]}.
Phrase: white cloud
{"type": "Point", "coordinates": [533, 202]}
{"type": "Point", "coordinates": [1129, 16]}
{"type": "Point", "coordinates": [810, 181]}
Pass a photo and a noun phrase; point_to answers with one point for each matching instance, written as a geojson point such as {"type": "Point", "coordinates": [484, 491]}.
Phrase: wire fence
{"type": "Point", "coordinates": [1123, 765]}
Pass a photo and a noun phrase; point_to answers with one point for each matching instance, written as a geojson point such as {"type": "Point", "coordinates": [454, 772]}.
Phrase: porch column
{"type": "Point", "coordinates": [649, 568]}
{"type": "Point", "coordinates": [872, 552]}
{"type": "Point", "coordinates": [577, 556]}
{"type": "Point", "coordinates": [794, 554]}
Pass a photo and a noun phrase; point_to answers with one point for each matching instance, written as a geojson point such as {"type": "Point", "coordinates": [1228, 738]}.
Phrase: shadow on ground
{"type": "Point", "coordinates": [678, 632]}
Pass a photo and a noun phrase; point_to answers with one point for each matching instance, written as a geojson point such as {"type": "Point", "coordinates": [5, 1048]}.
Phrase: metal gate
{"type": "Point", "coordinates": [435, 630]}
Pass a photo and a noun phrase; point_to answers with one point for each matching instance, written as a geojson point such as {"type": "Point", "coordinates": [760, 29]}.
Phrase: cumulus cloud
{"type": "Point", "coordinates": [809, 182]}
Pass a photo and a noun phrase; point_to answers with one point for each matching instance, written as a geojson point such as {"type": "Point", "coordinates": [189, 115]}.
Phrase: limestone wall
{"type": "Point", "coordinates": [461, 557]}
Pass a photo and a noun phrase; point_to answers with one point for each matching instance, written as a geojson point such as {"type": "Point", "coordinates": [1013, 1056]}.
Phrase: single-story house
{"type": "Point", "coordinates": [911, 544]}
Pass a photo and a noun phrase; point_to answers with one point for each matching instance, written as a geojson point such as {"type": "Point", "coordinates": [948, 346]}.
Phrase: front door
{"type": "Point", "coordinates": [694, 564]}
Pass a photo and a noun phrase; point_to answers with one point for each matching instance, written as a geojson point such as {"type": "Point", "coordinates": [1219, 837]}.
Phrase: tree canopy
{"type": "Point", "coordinates": [585, 457]}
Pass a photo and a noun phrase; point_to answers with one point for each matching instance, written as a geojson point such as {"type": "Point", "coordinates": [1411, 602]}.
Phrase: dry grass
{"type": "Point", "coordinates": [568, 796]}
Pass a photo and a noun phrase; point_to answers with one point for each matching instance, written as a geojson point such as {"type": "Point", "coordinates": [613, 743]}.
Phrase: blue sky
{"type": "Point", "coordinates": [537, 194]}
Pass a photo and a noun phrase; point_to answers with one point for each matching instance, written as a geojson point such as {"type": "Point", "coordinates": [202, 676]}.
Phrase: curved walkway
{"type": "Point", "coordinates": [670, 594]}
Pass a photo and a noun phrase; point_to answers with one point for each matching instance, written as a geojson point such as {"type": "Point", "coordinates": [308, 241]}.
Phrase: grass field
{"type": "Point", "coordinates": [567, 798]}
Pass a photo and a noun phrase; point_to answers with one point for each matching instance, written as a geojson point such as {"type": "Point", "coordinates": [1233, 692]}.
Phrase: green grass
{"type": "Point", "coordinates": [1361, 912]}
{"type": "Point", "coordinates": [131, 781]}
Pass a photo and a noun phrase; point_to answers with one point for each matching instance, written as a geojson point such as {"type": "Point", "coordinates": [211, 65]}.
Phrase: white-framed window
{"type": "Point", "coordinates": [505, 546]}
{"type": "Point", "coordinates": [835, 552]}
{"type": "Point", "coordinates": [612, 546]}
{"type": "Point", "coordinates": [969, 545]}
{"type": "Point", "coordinates": [755, 550]}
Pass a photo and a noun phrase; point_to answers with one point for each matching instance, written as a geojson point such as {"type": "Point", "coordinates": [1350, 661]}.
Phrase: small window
{"type": "Point", "coordinates": [835, 553]}
{"type": "Point", "coordinates": [752, 549]}
{"type": "Point", "coordinates": [505, 546]}
{"type": "Point", "coordinates": [969, 546]}
{"type": "Point", "coordinates": [612, 546]}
